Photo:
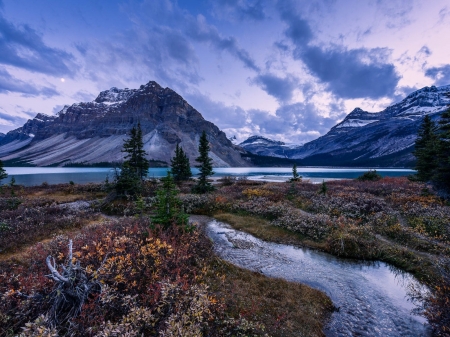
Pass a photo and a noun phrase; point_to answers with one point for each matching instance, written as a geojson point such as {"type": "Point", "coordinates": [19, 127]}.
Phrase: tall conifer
{"type": "Point", "coordinates": [426, 150]}
{"type": "Point", "coordinates": [135, 167]}
{"type": "Point", "coordinates": [176, 164]}
{"type": "Point", "coordinates": [443, 170]}
{"type": "Point", "coordinates": [3, 174]}
{"type": "Point", "coordinates": [180, 166]}
{"type": "Point", "coordinates": [135, 157]}
{"type": "Point", "coordinates": [205, 166]}
{"type": "Point", "coordinates": [186, 172]}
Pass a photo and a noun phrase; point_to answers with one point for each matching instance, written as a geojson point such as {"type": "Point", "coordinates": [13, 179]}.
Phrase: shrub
{"type": "Point", "coordinates": [370, 175]}
{"type": "Point", "coordinates": [152, 283]}
{"type": "Point", "coordinates": [227, 180]}
{"type": "Point", "coordinates": [434, 305]}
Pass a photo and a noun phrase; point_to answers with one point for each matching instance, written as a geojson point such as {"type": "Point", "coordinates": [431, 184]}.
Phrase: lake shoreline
{"type": "Point", "coordinates": [33, 176]}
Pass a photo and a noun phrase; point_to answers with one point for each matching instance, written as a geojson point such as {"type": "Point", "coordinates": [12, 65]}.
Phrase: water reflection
{"type": "Point", "coordinates": [371, 296]}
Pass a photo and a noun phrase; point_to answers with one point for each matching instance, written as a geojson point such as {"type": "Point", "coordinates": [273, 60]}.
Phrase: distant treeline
{"type": "Point", "coordinates": [23, 163]}
{"type": "Point", "coordinates": [153, 163]}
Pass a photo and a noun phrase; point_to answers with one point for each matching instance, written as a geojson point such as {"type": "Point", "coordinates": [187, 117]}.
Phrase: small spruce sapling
{"type": "Point", "coordinates": [12, 183]}
{"type": "Point", "coordinates": [295, 175]}
{"type": "Point", "coordinates": [323, 188]}
{"type": "Point", "coordinates": [169, 210]}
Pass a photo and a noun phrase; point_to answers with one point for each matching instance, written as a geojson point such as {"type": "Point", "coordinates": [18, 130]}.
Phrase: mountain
{"type": "Point", "coordinates": [2, 135]}
{"type": "Point", "coordinates": [381, 139]}
{"type": "Point", "coordinates": [93, 132]}
{"type": "Point", "coordinates": [384, 138]}
{"type": "Point", "coordinates": [266, 147]}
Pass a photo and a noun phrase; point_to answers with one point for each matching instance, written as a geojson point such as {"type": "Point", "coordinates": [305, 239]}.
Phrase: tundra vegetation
{"type": "Point", "coordinates": [395, 220]}
{"type": "Point", "coordinates": [75, 261]}
{"type": "Point", "coordinates": [70, 266]}
{"type": "Point", "coordinates": [149, 273]}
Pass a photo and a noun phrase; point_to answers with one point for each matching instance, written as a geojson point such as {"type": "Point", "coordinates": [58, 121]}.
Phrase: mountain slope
{"type": "Point", "coordinates": [94, 131]}
{"type": "Point", "coordinates": [385, 138]}
{"type": "Point", "coordinates": [363, 138]}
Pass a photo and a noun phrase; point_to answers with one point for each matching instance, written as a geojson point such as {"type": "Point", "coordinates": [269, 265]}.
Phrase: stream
{"type": "Point", "coordinates": [371, 297]}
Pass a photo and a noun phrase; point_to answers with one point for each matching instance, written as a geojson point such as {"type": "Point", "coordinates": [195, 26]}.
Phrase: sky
{"type": "Point", "coordinates": [285, 69]}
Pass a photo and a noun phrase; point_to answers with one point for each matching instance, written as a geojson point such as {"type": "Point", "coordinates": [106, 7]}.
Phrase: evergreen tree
{"type": "Point", "coordinates": [3, 174]}
{"type": "Point", "coordinates": [186, 167]}
{"type": "Point", "coordinates": [443, 169]}
{"type": "Point", "coordinates": [295, 175]}
{"type": "Point", "coordinates": [135, 157]}
{"type": "Point", "coordinates": [426, 150]}
{"type": "Point", "coordinates": [135, 167]}
{"type": "Point", "coordinates": [205, 166]}
{"type": "Point", "coordinates": [168, 207]}
{"type": "Point", "coordinates": [181, 169]}
{"type": "Point", "coordinates": [127, 182]}
{"type": "Point", "coordinates": [323, 188]}
{"type": "Point", "coordinates": [175, 164]}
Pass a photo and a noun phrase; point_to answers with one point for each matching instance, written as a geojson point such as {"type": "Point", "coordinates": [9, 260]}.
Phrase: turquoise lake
{"type": "Point", "coordinates": [30, 176]}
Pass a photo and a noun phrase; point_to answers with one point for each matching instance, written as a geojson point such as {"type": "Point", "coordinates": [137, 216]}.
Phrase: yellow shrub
{"type": "Point", "coordinates": [256, 192]}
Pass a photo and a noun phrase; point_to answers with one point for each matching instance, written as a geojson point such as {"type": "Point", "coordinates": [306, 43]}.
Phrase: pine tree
{"type": "Point", "coordinates": [168, 207]}
{"type": "Point", "coordinates": [186, 172]}
{"type": "Point", "coordinates": [135, 167]}
{"type": "Point", "coordinates": [175, 163]}
{"type": "Point", "coordinates": [443, 169]}
{"type": "Point", "coordinates": [295, 175]}
{"type": "Point", "coordinates": [127, 182]}
{"type": "Point", "coordinates": [134, 147]}
{"type": "Point", "coordinates": [426, 150]}
{"type": "Point", "coordinates": [3, 174]}
{"type": "Point", "coordinates": [181, 169]}
{"type": "Point", "coordinates": [205, 166]}
{"type": "Point", "coordinates": [323, 188]}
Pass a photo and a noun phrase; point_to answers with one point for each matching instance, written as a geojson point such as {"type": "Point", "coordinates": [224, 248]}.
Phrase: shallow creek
{"type": "Point", "coordinates": [371, 297]}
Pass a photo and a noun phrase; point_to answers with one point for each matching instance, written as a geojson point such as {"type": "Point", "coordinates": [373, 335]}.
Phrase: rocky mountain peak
{"type": "Point", "coordinates": [94, 131]}
{"type": "Point", "coordinates": [116, 96]}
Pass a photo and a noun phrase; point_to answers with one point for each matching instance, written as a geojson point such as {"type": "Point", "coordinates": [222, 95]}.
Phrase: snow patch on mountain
{"type": "Point", "coordinates": [114, 95]}
{"type": "Point", "coordinates": [355, 123]}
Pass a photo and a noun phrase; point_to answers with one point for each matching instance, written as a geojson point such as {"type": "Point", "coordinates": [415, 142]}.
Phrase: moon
{"type": "Point", "coordinates": [63, 79]}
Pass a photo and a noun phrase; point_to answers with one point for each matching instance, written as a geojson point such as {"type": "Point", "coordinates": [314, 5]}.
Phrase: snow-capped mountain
{"type": "Point", "coordinates": [93, 132]}
{"type": "Point", "coordinates": [384, 138]}
{"type": "Point", "coordinates": [267, 147]}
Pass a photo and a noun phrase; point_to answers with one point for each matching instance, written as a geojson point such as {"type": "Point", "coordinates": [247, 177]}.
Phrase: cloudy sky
{"type": "Point", "coordinates": [286, 69]}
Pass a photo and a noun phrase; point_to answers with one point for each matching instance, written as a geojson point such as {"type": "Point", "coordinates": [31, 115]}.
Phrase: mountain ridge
{"type": "Point", "coordinates": [384, 138]}
{"type": "Point", "coordinates": [89, 132]}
